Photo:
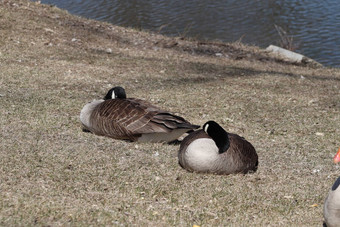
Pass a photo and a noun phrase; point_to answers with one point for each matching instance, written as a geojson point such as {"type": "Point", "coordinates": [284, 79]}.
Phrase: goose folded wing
{"type": "Point", "coordinates": [119, 118]}
{"type": "Point", "coordinates": [172, 121]}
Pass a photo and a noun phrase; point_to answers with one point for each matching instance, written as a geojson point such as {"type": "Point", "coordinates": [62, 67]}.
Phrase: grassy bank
{"type": "Point", "coordinates": [53, 174]}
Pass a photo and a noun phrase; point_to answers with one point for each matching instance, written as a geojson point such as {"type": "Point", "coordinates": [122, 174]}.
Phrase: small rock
{"type": "Point", "coordinates": [312, 101]}
{"type": "Point", "coordinates": [49, 30]}
{"type": "Point", "coordinates": [288, 197]}
{"type": "Point", "coordinates": [319, 133]}
{"type": "Point", "coordinates": [109, 51]}
{"type": "Point", "coordinates": [316, 171]}
{"type": "Point", "coordinates": [219, 54]}
{"type": "Point", "coordinates": [271, 132]}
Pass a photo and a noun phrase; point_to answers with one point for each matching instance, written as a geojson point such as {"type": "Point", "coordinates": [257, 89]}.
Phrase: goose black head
{"type": "Point", "coordinates": [218, 134]}
{"type": "Point", "coordinates": [115, 93]}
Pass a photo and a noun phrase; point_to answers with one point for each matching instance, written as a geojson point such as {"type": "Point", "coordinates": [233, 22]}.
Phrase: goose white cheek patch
{"type": "Point", "coordinates": [113, 96]}
{"type": "Point", "coordinates": [206, 128]}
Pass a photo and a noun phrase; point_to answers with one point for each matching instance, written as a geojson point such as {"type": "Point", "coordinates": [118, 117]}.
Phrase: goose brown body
{"type": "Point", "coordinates": [133, 119]}
{"type": "Point", "coordinates": [199, 153]}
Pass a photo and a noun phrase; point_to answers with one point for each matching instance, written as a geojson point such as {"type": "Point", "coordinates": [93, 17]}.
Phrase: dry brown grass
{"type": "Point", "coordinates": [53, 174]}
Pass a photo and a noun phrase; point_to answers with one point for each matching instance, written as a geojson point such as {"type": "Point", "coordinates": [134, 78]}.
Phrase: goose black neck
{"type": "Point", "coordinates": [218, 134]}
{"type": "Point", "coordinates": [336, 184]}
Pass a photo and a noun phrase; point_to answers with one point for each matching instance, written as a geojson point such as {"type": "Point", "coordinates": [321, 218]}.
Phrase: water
{"type": "Point", "coordinates": [313, 24]}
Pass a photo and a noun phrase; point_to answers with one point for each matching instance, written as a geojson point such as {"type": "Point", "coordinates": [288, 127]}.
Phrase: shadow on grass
{"type": "Point", "coordinates": [212, 72]}
{"type": "Point", "coordinates": [231, 71]}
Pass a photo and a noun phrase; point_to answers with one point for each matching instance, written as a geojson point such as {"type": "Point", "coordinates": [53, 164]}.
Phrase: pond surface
{"type": "Point", "coordinates": [314, 25]}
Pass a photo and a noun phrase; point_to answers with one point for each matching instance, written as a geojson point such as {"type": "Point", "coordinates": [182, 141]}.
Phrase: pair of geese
{"type": "Point", "coordinates": [208, 150]}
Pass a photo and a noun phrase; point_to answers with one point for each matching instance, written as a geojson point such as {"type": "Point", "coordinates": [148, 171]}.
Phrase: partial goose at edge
{"type": "Point", "coordinates": [331, 208]}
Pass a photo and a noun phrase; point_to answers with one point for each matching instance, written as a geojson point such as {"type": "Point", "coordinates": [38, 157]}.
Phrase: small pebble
{"type": "Point", "coordinates": [316, 170]}
{"type": "Point", "coordinates": [320, 134]}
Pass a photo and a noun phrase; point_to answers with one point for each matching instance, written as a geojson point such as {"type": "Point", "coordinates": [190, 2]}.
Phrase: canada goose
{"type": "Point", "coordinates": [213, 150]}
{"type": "Point", "coordinates": [132, 119]}
{"type": "Point", "coordinates": [331, 208]}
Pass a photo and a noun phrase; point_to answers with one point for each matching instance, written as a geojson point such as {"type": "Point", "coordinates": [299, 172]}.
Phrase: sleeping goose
{"type": "Point", "coordinates": [331, 208]}
{"type": "Point", "coordinates": [213, 150]}
{"type": "Point", "coordinates": [132, 119]}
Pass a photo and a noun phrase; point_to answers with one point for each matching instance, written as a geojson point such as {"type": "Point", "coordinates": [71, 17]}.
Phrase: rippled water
{"type": "Point", "coordinates": [313, 24]}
